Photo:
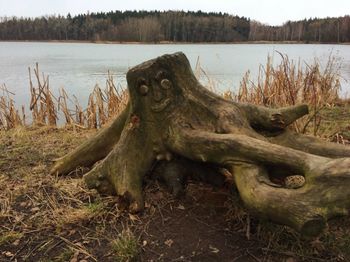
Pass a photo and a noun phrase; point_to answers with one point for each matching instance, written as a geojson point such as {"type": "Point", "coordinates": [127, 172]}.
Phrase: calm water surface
{"type": "Point", "coordinates": [79, 66]}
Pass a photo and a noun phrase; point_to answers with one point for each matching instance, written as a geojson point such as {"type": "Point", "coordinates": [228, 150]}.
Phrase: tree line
{"type": "Point", "coordinates": [138, 26]}
{"type": "Point", "coordinates": [172, 26]}
{"type": "Point", "coordinates": [325, 30]}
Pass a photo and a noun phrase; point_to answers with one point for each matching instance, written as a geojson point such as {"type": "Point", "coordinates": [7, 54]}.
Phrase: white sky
{"type": "Point", "coordinates": [273, 12]}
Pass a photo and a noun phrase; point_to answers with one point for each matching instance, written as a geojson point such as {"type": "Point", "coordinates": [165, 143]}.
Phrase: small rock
{"type": "Point", "coordinates": [169, 242]}
{"type": "Point", "coordinates": [8, 254]}
{"type": "Point", "coordinates": [16, 242]}
{"type": "Point", "coordinates": [181, 207]}
{"type": "Point", "coordinates": [213, 249]}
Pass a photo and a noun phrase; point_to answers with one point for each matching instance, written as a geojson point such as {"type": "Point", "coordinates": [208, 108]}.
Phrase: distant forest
{"type": "Point", "coordinates": [172, 26]}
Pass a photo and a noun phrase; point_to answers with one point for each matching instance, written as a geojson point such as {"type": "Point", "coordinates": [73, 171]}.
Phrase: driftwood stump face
{"type": "Point", "coordinates": [172, 119]}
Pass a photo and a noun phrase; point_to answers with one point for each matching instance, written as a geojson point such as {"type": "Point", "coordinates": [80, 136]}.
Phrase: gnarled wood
{"type": "Point", "coordinates": [93, 149]}
{"type": "Point", "coordinates": [171, 118]}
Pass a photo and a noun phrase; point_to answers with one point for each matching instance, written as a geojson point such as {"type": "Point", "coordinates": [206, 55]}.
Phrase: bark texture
{"type": "Point", "coordinates": [177, 128]}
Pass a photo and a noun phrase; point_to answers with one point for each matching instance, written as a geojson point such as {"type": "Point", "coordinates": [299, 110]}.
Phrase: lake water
{"type": "Point", "coordinates": [79, 66]}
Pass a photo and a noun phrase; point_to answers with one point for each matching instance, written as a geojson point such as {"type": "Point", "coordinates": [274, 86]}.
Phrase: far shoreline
{"type": "Point", "coordinates": [174, 43]}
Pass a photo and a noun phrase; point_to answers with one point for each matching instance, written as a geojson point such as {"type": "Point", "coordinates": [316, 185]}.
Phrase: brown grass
{"type": "Point", "coordinates": [9, 115]}
{"type": "Point", "coordinates": [49, 218]}
{"type": "Point", "coordinates": [291, 83]}
{"type": "Point", "coordinates": [286, 84]}
{"type": "Point", "coordinates": [42, 101]}
{"type": "Point", "coordinates": [48, 110]}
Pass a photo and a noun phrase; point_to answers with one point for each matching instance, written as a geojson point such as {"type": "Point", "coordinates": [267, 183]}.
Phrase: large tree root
{"type": "Point", "coordinates": [94, 149]}
{"type": "Point", "coordinates": [176, 128]}
{"type": "Point", "coordinates": [262, 118]}
{"type": "Point", "coordinates": [325, 195]}
{"type": "Point", "coordinates": [251, 159]}
{"type": "Point", "coordinates": [310, 145]}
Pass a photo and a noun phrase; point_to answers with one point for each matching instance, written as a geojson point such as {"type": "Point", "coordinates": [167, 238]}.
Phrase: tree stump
{"type": "Point", "coordinates": [172, 119]}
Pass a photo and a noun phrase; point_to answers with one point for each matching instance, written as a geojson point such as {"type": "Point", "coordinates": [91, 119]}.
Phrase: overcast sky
{"type": "Point", "coordinates": [273, 12]}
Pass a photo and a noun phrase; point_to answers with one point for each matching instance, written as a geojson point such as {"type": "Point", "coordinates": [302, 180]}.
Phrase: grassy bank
{"type": "Point", "coordinates": [47, 218]}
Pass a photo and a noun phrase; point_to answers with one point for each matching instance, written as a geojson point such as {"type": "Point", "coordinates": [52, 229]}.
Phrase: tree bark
{"type": "Point", "coordinates": [174, 123]}
{"type": "Point", "coordinates": [93, 149]}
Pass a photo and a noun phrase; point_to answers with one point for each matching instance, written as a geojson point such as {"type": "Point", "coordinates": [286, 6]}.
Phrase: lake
{"type": "Point", "coordinates": [79, 66]}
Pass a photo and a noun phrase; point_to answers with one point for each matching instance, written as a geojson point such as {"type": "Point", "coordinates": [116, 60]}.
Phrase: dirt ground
{"type": "Point", "coordinates": [47, 218]}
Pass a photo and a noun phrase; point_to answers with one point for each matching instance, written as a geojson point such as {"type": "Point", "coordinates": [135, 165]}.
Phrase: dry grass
{"type": "Point", "coordinates": [291, 83]}
{"type": "Point", "coordinates": [9, 115]}
{"type": "Point", "coordinates": [288, 83]}
{"type": "Point", "coordinates": [49, 110]}
{"type": "Point", "coordinates": [44, 213]}
{"type": "Point", "coordinates": [45, 218]}
{"type": "Point", "coordinates": [42, 101]}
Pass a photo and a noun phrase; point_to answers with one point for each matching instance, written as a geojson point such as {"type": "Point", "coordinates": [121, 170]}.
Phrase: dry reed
{"type": "Point", "coordinates": [288, 83]}
{"type": "Point", "coordinates": [42, 102]}
{"type": "Point", "coordinates": [103, 105]}
{"type": "Point", "coordinates": [9, 115]}
{"type": "Point", "coordinates": [291, 83]}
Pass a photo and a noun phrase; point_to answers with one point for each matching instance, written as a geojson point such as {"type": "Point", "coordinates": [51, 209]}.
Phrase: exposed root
{"type": "Point", "coordinates": [94, 149]}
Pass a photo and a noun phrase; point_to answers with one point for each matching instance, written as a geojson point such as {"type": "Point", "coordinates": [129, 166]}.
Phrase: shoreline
{"type": "Point", "coordinates": [174, 43]}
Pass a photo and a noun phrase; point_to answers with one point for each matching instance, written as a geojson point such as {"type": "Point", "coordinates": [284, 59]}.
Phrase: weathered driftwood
{"type": "Point", "coordinates": [171, 114]}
